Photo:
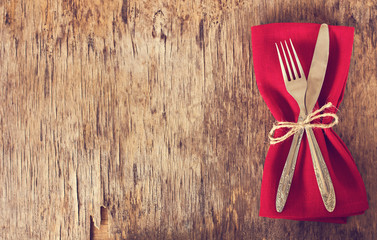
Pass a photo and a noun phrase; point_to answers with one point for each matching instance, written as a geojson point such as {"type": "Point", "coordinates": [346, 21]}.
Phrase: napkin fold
{"type": "Point", "coordinates": [304, 202]}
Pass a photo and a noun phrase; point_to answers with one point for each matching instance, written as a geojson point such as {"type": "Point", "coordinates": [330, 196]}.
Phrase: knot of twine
{"type": "Point", "coordinates": [305, 124]}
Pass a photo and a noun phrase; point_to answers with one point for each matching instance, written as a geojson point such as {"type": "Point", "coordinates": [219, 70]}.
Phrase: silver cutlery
{"type": "Point", "coordinates": [315, 81]}
{"type": "Point", "coordinates": [296, 86]}
{"type": "Point", "coordinates": [306, 94]}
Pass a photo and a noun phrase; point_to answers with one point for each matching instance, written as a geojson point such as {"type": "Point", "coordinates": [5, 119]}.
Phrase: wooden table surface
{"type": "Point", "coordinates": [150, 110]}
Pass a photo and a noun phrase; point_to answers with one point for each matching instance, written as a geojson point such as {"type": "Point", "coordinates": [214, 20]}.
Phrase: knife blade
{"type": "Point", "coordinates": [314, 85]}
{"type": "Point", "coordinates": [318, 68]}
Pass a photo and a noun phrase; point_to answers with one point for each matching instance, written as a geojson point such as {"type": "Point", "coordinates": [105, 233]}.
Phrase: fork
{"type": "Point", "coordinates": [296, 86]}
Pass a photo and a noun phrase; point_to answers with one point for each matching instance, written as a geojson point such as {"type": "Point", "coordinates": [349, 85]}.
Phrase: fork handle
{"type": "Point", "coordinates": [322, 175]}
{"type": "Point", "coordinates": [288, 171]}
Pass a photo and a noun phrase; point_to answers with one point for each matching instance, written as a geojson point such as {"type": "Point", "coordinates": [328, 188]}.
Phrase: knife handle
{"type": "Point", "coordinates": [322, 175]}
{"type": "Point", "coordinates": [288, 171]}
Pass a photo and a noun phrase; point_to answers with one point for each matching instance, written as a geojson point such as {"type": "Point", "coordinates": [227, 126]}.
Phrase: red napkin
{"type": "Point", "coordinates": [304, 200]}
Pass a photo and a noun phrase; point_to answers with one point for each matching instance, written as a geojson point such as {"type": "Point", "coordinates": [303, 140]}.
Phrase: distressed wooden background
{"type": "Point", "coordinates": [150, 109]}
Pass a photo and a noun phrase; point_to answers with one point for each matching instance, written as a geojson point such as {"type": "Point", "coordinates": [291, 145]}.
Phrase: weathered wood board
{"type": "Point", "coordinates": [150, 108]}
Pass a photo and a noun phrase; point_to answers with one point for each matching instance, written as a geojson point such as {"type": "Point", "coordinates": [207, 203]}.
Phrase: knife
{"type": "Point", "coordinates": [314, 85]}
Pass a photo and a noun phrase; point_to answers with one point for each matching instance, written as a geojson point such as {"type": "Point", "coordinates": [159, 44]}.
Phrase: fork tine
{"type": "Point", "coordinates": [297, 60]}
{"type": "Point", "coordinates": [281, 65]}
{"type": "Point", "coordinates": [286, 62]}
{"type": "Point", "coordinates": [290, 58]}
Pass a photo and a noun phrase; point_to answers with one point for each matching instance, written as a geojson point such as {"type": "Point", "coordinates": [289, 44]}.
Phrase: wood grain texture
{"type": "Point", "coordinates": [151, 109]}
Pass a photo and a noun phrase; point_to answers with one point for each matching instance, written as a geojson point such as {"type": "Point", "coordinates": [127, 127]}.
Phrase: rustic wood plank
{"type": "Point", "coordinates": [151, 109]}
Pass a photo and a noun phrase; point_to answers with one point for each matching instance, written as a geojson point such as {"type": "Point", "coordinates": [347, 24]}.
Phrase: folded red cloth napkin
{"type": "Point", "coordinates": [304, 201]}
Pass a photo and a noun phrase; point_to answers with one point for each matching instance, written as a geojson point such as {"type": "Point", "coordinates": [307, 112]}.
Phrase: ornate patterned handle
{"type": "Point", "coordinates": [288, 170]}
{"type": "Point", "coordinates": [322, 175]}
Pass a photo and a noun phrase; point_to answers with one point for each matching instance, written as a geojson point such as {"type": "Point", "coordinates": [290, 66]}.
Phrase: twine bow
{"type": "Point", "coordinates": [306, 123]}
